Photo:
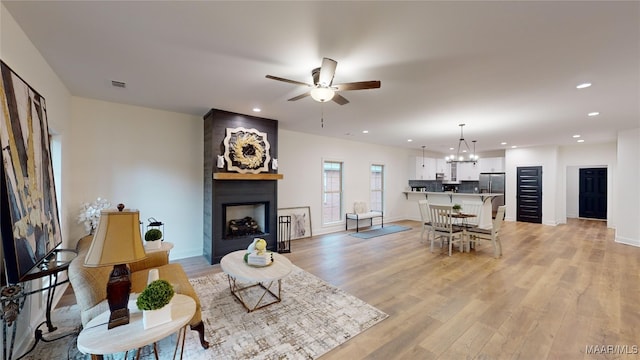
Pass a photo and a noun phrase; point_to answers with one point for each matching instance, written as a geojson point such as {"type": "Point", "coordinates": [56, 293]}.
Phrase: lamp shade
{"type": "Point", "coordinates": [117, 239]}
{"type": "Point", "coordinates": [322, 94]}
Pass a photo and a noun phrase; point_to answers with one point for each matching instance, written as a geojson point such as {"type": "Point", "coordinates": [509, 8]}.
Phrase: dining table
{"type": "Point", "coordinates": [462, 217]}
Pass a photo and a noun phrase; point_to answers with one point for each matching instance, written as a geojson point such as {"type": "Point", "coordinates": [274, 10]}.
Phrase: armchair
{"type": "Point", "coordinates": [90, 283]}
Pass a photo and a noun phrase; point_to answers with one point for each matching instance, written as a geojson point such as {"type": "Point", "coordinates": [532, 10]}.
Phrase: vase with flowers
{"type": "Point", "coordinates": [90, 214]}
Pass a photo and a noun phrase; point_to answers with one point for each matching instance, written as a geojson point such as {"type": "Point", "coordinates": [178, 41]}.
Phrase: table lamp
{"type": "Point", "coordinates": [117, 242]}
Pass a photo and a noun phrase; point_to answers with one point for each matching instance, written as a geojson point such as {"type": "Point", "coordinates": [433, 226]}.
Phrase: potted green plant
{"type": "Point", "coordinates": [154, 301]}
{"type": "Point", "coordinates": [153, 239]}
{"type": "Point", "coordinates": [457, 208]}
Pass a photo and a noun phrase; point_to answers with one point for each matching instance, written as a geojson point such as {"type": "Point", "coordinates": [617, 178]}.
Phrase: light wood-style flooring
{"type": "Point", "coordinates": [555, 291]}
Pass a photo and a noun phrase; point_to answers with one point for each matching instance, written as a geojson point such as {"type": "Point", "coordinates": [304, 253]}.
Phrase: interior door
{"type": "Point", "coordinates": [592, 198]}
{"type": "Point", "coordinates": [529, 194]}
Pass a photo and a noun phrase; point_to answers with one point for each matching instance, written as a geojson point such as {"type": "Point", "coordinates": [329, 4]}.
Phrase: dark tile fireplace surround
{"type": "Point", "coordinates": [230, 197]}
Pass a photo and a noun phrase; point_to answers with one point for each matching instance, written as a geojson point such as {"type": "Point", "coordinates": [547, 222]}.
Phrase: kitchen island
{"type": "Point", "coordinates": [450, 198]}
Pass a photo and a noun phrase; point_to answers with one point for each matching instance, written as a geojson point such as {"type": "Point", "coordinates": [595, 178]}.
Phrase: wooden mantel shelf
{"type": "Point", "coordinates": [238, 176]}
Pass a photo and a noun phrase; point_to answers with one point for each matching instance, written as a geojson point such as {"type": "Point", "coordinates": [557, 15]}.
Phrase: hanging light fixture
{"type": "Point", "coordinates": [322, 94]}
{"type": "Point", "coordinates": [459, 156]}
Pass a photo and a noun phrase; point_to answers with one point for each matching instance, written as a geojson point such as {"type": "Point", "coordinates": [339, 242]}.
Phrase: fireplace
{"type": "Point", "coordinates": [237, 199]}
{"type": "Point", "coordinates": [246, 219]}
{"type": "Point", "coordinates": [231, 193]}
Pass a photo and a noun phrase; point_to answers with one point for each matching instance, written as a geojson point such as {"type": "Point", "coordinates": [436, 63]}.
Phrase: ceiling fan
{"type": "Point", "coordinates": [323, 89]}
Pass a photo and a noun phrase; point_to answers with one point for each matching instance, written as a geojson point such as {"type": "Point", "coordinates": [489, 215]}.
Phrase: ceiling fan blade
{"type": "Point", "coordinates": [340, 99]}
{"type": "Point", "coordinates": [300, 96]}
{"type": "Point", "coordinates": [361, 85]}
{"type": "Point", "coordinates": [287, 80]}
{"type": "Point", "coordinates": [327, 71]}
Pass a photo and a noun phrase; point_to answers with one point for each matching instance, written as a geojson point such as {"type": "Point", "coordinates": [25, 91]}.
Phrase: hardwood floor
{"type": "Point", "coordinates": [555, 291]}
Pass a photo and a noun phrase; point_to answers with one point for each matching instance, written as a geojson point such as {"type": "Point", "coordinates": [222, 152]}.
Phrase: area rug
{"type": "Point", "coordinates": [389, 229]}
{"type": "Point", "coordinates": [312, 318]}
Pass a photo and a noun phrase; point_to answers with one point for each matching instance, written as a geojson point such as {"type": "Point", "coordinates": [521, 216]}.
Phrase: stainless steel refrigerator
{"type": "Point", "coordinates": [493, 183]}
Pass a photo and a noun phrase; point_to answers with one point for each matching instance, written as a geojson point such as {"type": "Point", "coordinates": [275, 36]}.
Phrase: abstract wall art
{"type": "Point", "coordinates": [30, 227]}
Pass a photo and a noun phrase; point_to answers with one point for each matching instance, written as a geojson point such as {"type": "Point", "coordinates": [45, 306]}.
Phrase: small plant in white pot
{"type": "Point", "coordinates": [153, 239]}
{"type": "Point", "coordinates": [154, 301]}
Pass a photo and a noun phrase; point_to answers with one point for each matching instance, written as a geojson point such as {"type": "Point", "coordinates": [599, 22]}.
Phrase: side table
{"type": "Point", "coordinates": [265, 277]}
{"type": "Point", "coordinates": [97, 340]}
{"type": "Point", "coordinates": [166, 247]}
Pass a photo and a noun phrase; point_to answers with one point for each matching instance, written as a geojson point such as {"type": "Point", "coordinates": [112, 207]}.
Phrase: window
{"type": "Point", "coordinates": [377, 187]}
{"type": "Point", "coordinates": [331, 192]}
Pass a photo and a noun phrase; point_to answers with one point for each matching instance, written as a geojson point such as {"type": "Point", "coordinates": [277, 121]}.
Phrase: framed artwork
{"type": "Point", "coordinates": [300, 221]}
{"type": "Point", "coordinates": [246, 150]}
{"type": "Point", "coordinates": [30, 230]}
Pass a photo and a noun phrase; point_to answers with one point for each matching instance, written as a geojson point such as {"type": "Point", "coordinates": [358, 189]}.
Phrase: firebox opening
{"type": "Point", "coordinates": [247, 219]}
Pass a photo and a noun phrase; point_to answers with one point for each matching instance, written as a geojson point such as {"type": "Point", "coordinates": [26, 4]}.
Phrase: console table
{"type": "Point", "coordinates": [13, 297]}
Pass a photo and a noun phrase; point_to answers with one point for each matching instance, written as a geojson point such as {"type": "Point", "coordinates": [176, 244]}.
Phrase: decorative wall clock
{"type": "Point", "coordinates": [246, 150]}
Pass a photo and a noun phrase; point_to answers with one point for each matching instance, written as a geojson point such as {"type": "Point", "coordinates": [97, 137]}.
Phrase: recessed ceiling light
{"type": "Point", "coordinates": [451, 149]}
{"type": "Point", "coordinates": [576, 136]}
{"type": "Point", "coordinates": [595, 113]}
{"type": "Point", "coordinates": [503, 143]}
{"type": "Point", "coordinates": [255, 109]}
{"type": "Point", "coordinates": [581, 140]}
{"type": "Point", "coordinates": [583, 86]}
{"type": "Point", "coordinates": [409, 140]}
{"type": "Point", "coordinates": [513, 146]}
{"type": "Point", "coordinates": [365, 131]}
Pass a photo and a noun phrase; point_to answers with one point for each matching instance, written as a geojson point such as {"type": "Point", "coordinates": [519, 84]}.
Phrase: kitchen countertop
{"type": "Point", "coordinates": [483, 196]}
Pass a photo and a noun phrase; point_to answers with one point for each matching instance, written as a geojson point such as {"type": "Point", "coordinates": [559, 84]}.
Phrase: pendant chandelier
{"type": "Point", "coordinates": [459, 156]}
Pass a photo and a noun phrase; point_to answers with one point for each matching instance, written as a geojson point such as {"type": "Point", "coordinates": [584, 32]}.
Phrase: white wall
{"type": "Point", "coordinates": [572, 188]}
{"type": "Point", "coordinates": [547, 157]}
{"type": "Point", "coordinates": [560, 179]}
{"type": "Point", "coordinates": [627, 204]}
{"type": "Point", "coordinates": [19, 53]}
{"type": "Point", "coordinates": [572, 159]}
{"type": "Point", "coordinates": [300, 161]}
{"type": "Point", "coordinates": [150, 160]}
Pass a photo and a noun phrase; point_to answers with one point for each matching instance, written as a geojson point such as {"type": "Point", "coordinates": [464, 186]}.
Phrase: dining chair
{"type": "Point", "coordinates": [474, 208]}
{"type": "Point", "coordinates": [426, 219]}
{"type": "Point", "coordinates": [443, 227]}
{"type": "Point", "coordinates": [493, 235]}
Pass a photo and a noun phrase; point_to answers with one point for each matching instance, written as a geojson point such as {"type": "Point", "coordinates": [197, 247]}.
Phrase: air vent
{"type": "Point", "coordinates": [119, 84]}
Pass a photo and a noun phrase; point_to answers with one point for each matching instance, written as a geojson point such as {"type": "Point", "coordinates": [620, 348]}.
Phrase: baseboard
{"type": "Point", "coordinates": [627, 241]}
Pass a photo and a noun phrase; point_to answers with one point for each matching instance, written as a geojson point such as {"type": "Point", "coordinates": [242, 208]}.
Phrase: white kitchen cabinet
{"type": "Point", "coordinates": [426, 172]}
{"type": "Point", "coordinates": [443, 167]}
{"type": "Point", "coordinates": [468, 171]}
{"type": "Point", "coordinates": [493, 164]}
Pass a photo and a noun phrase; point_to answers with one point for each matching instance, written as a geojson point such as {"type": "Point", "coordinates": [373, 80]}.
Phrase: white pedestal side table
{"type": "Point", "coordinates": [166, 247]}
{"type": "Point", "coordinates": [265, 277]}
{"type": "Point", "coordinates": [97, 340]}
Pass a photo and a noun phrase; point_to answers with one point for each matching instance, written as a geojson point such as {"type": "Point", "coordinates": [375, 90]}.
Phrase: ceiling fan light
{"type": "Point", "coordinates": [322, 94]}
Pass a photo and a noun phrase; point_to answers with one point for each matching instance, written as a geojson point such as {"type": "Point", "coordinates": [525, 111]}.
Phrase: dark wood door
{"type": "Point", "coordinates": [529, 194]}
{"type": "Point", "coordinates": [592, 198]}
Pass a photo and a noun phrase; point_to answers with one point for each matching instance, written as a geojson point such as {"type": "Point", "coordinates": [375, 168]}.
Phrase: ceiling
{"type": "Point", "coordinates": [508, 70]}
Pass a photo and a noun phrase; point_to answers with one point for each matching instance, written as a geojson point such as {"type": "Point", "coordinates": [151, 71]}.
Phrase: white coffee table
{"type": "Point", "coordinates": [97, 340]}
{"type": "Point", "coordinates": [265, 277]}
